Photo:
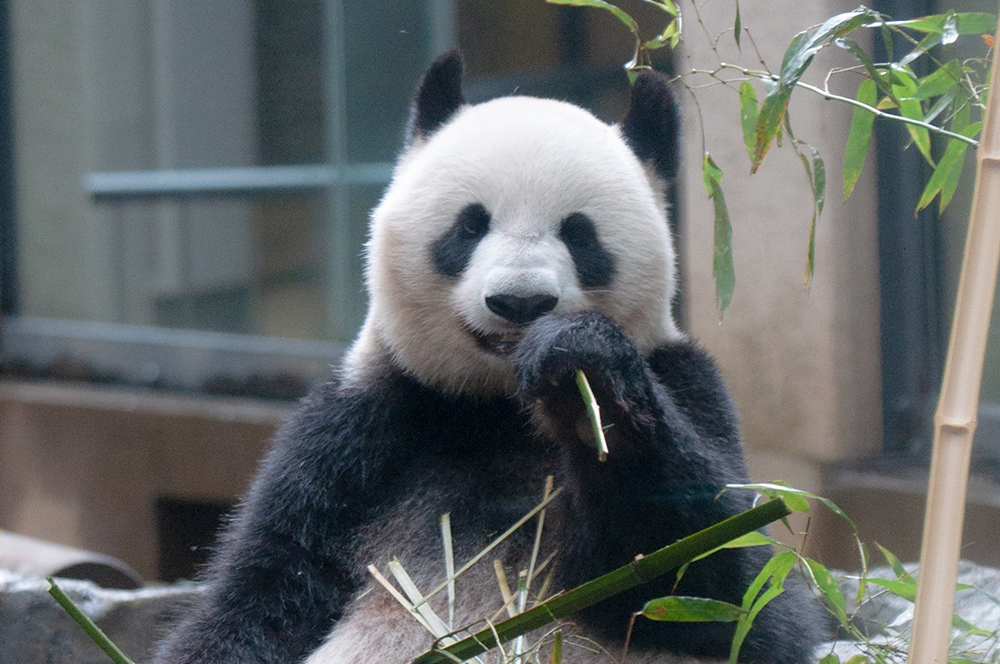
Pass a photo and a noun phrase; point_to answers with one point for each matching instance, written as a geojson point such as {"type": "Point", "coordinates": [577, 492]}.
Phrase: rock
{"type": "Point", "coordinates": [886, 618]}
{"type": "Point", "coordinates": [34, 629]}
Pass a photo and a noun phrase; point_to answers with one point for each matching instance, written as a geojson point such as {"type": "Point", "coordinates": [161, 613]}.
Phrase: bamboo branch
{"type": "Point", "coordinates": [87, 625]}
{"type": "Point", "coordinates": [877, 112]}
{"type": "Point", "coordinates": [637, 572]}
{"type": "Point", "coordinates": [955, 418]}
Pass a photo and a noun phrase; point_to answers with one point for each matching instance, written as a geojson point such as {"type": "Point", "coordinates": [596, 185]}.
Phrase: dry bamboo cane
{"type": "Point", "coordinates": [955, 418]}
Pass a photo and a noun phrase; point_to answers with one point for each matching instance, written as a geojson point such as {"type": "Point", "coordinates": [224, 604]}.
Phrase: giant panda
{"type": "Point", "coordinates": [520, 239]}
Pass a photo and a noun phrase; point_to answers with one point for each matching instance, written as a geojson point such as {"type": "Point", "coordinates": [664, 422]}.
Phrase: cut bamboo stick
{"type": "Point", "coordinates": [955, 418]}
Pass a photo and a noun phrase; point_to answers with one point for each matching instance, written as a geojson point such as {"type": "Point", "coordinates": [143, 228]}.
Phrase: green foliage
{"type": "Point", "coordinates": [641, 570]}
{"type": "Point", "coordinates": [669, 36]}
{"type": "Point", "coordinates": [970, 643]}
{"type": "Point", "coordinates": [859, 136]}
{"type": "Point", "coordinates": [677, 608]}
{"type": "Point", "coordinates": [948, 102]}
{"type": "Point", "coordinates": [722, 257]}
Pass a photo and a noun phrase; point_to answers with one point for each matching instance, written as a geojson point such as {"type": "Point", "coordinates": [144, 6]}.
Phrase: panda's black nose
{"type": "Point", "coordinates": [521, 310]}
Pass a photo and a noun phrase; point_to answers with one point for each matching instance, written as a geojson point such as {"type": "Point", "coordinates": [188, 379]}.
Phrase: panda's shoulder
{"type": "Point", "coordinates": [691, 377]}
{"type": "Point", "coordinates": [342, 406]}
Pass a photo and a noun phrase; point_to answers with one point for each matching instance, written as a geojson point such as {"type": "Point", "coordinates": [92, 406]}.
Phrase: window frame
{"type": "Point", "coordinates": [8, 226]}
{"type": "Point", "coordinates": [138, 355]}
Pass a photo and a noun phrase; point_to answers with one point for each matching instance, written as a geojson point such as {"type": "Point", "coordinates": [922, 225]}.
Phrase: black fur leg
{"type": "Point", "coordinates": [674, 445]}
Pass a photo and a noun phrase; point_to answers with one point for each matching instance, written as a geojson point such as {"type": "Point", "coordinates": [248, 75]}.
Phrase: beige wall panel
{"type": "Point", "coordinates": [803, 363]}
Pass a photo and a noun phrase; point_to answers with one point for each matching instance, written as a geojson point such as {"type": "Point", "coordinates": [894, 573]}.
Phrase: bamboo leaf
{"type": "Point", "coordinates": [748, 114]}
{"type": "Point", "coordinates": [939, 82]}
{"type": "Point", "coordinates": [829, 589]}
{"type": "Point", "coordinates": [818, 180]}
{"type": "Point", "coordinates": [859, 137]}
{"type": "Point", "coordinates": [816, 172]}
{"type": "Point", "coordinates": [811, 251]}
{"type": "Point", "coordinates": [773, 573]}
{"type": "Point", "coordinates": [830, 659]}
{"type": "Point", "coordinates": [750, 539]}
{"type": "Point", "coordinates": [797, 58]}
{"type": "Point", "coordinates": [927, 43]}
{"type": "Point", "coordinates": [943, 102]}
{"type": "Point", "coordinates": [897, 567]}
{"type": "Point", "coordinates": [948, 170]}
{"type": "Point", "coordinates": [772, 112]}
{"type": "Point", "coordinates": [907, 591]}
{"type": "Point", "coordinates": [677, 608]}
{"type": "Point", "coordinates": [863, 558]}
{"type": "Point", "coordinates": [911, 108]}
{"type": "Point", "coordinates": [804, 47]}
{"type": "Point", "coordinates": [776, 568]}
{"type": "Point", "coordinates": [967, 627]}
{"type": "Point", "coordinates": [855, 49]}
{"type": "Point", "coordinates": [743, 625]}
{"type": "Point", "coordinates": [887, 41]}
{"type": "Point", "coordinates": [722, 251]}
{"type": "Point", "coordinates": [959, 123]}
{"type": "Point", "coordinates": [738, 26]}
{"type": "Point", "coordinates": [785, 492]}
{"type": "Point", "coordinates": [966, 23]}
{"type": "Point", "coordinates": [619, 13]}
{"type": "Point", "coordinates": [949, 32]}
{"type": "Point", "coordinates": [670, 36]}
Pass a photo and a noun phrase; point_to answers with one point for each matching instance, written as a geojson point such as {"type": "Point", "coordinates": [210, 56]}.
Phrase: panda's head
{"type": "Point", "coordinates": [501, 212]}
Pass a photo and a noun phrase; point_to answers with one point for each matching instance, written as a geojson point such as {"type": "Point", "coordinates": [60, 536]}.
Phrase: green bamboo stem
{"type": "Point", "coordinates": [637, 572]}
{"type": "Point", "coordinates": [88, 625]}
{"type": "Point", "coordinates": [593, 414]}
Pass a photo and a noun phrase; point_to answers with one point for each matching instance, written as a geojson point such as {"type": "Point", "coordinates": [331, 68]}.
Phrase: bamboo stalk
{"type": "Point", "coordinates": [638, 571]}
{"type": "Point", "coordinates": [87, 625]}
{"type": "Point", "coordinates": [955, 418]}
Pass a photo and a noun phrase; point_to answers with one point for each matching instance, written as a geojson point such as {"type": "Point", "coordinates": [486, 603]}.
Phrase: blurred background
{"type": "Point", "coordinates": [184, 195]}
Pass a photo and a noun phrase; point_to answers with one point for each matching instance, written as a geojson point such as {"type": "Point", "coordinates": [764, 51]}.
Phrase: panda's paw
{"type": "Point", "coordinates": [554, 347]}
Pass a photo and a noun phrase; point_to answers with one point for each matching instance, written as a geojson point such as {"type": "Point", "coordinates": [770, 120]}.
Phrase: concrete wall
{"type": "Point", "coordinates": [84, 466]}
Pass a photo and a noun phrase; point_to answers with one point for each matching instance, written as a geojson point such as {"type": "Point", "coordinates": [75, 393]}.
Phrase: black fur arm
{"type": "Point", "coordinates": [671, 428]}
{"type": "Point", "coordinates": [282, 573]}
{"type": "Point", "coordinates": [673, 446]}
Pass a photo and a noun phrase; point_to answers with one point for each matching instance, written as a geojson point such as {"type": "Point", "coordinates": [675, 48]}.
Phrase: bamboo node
{"type": "Point", "coordinates": [958, 427]}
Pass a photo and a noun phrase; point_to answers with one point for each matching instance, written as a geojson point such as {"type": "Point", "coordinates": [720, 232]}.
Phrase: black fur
{"type": "Point", "coordinates": [438, 96]}
{"type": "Point", "coordinates": [650, 126]}
{"type": "Point", "coordinates": [452, 251]}
{"type": "Point", "coordinates": [595, 267]}
{"type": "Point", "coordinates": [287, 565]}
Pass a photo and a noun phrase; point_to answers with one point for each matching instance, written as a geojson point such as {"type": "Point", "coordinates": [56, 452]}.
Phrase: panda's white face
{"type": "Point", "coordinates": [514, 208]}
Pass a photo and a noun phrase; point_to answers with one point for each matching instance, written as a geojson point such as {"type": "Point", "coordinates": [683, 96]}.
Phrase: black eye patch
{"type": "Point", "coordinates": [452, 251]}
{"type": "Point", "coordinates": [595, 267]}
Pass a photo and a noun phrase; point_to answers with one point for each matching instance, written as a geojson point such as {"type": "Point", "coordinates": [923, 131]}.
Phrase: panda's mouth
{"type": "Point", "coordinates": [502, 344]}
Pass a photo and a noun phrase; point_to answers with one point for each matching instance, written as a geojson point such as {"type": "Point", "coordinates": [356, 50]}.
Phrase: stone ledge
{"type": "Point", "coordinates": [34, 629]}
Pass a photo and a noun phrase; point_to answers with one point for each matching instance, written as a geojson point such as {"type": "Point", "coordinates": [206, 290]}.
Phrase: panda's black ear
{"type": "Point", "coordinates": [437, 97]}
{"type": "Point", "coordinates": [650, 127]}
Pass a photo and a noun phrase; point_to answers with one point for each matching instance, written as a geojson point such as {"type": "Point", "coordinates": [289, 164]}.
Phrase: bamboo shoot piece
{"type": "Point", "coordinates": [955, 418]}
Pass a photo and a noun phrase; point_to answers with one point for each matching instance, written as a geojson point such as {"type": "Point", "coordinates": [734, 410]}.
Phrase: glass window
{"type": "Point", "coordinates": [920, 261]}
{"type": "Point", "coordinates": [195, 176]}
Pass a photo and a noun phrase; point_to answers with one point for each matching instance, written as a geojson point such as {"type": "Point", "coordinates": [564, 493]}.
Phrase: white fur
{"type": "Point", "coordinates": [531, 163]}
